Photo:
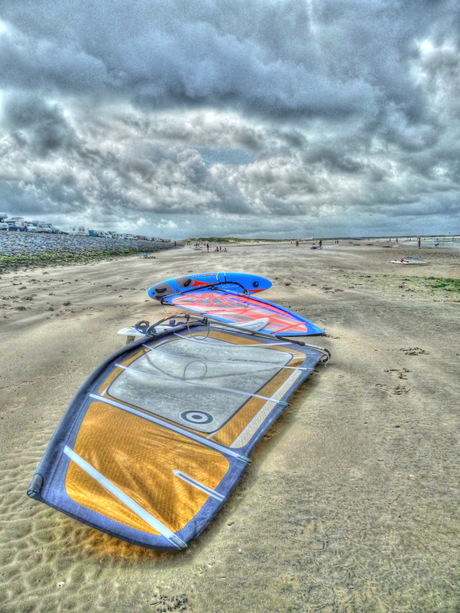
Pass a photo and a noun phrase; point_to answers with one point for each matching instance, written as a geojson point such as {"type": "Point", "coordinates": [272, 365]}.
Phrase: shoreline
{"type": "Point", "coordinates": [351, 499]}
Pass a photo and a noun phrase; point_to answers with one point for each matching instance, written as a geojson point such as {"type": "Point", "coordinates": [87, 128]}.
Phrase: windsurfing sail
{"type": "Point", "coordinates": [158, 436]}
{"type": "Point", "coordinates": [226, 306]}
{"type": "Point", "coordinates": [413, 261]}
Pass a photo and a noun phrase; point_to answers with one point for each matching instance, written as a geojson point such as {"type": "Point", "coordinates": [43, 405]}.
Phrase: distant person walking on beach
{"type": "Point", "coordinates": [419, 242]}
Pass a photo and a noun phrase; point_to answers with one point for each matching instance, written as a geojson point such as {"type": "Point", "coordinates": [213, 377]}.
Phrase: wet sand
{"type": "Point", "coordinates": [351, 501]}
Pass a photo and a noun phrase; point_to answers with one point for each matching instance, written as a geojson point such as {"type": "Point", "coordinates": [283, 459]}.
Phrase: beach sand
{"type": "Point", "coordinates": [351, 502]}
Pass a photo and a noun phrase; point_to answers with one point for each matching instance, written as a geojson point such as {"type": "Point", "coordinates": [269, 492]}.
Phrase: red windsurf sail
{"type": "Point", "coordinates": [238, 308]}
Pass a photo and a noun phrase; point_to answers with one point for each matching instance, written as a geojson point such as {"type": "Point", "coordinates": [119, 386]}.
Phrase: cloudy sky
{"type": "Point", "coordinates": [263, 118]}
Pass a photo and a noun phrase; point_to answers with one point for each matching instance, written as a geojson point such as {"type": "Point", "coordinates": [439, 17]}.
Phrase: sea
{"type": "Point", "coordinates": [447, 241]}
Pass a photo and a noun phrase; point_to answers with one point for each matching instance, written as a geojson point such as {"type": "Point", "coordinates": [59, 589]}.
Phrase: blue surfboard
{"type": "Point", "coordinates": [238, 282]}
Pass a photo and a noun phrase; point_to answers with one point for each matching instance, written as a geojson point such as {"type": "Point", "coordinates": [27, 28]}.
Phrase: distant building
{"type": "Point", "coordinates": [79, 231]}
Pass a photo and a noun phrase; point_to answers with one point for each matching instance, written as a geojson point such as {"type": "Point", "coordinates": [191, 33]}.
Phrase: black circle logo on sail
{"type": "Point", "coordinates": [197, 418]}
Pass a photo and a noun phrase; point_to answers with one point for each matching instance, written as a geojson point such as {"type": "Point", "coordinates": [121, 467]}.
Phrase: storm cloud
{"type": "Point", "coordinates": [269, 118]}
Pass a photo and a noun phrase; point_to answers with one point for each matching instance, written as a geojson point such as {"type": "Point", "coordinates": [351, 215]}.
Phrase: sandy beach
{"type": "Point", "coordinates": [351, 500]}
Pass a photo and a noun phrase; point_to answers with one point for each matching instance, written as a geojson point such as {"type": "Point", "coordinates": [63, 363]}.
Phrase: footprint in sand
{"type": "Point", "coordinates": [414, 351]}
{"type": "Point", "coordinates": [401, 374]}
{"type": "Point", "coordinates": [399, 390]}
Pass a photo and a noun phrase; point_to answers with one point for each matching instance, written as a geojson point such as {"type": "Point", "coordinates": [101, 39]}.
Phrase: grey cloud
{"type": "Point", "coordinates": [334, 158]}
{"type": "Point", "coordinates": [36, 123]}
{"type": "Point", "coordinates": [261, 116]}
{"type": "Point", "coordinates": [37, 64]}
{"type": "Point", "coordinates": [159, 54]}
{"type": "Point", "coordinates": [320, 61]}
